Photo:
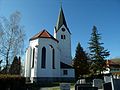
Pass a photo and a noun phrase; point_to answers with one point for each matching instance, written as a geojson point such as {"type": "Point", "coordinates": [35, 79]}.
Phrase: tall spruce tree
{"type": "Point", "coordinates": [97, 52]}
{"type": "Point", "coordinates": [80, 62]}
{"type": "Point", "coordinates": [15, 68]}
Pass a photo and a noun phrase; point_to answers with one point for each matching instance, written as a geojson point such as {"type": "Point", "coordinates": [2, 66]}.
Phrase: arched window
{"type": "Point", "coordinates": [61, 36]}
{"type": "Point", "coordinates": [53, 58]}
{"type": "Point", "coordinates": [43, 59]}
{"type": "Point", "coordinates": [64, 36]}
{"type": "Point", "coordinates": [33, 57]}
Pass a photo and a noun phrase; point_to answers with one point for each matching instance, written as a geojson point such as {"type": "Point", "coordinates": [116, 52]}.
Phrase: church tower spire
{"type": "Point", "coordinates": [63, 35]}
{"type": "Point", "coordinates": [61, 20]}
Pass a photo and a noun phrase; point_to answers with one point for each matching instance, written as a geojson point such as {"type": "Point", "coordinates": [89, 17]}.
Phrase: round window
{"type": "Point", "coordinates": [63, 29]}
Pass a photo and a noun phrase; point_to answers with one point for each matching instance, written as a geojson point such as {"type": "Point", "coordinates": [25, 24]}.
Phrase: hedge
{"type": "Point", "coordinates": [13, 82]}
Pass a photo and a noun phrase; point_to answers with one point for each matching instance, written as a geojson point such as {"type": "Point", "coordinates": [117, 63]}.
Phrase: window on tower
{"type": "Point", "coordinates": [63, 29]}
{"type": "Point", "coordinates": [63, 37]}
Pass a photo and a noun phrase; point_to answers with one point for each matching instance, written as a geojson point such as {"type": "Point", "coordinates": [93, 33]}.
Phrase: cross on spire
{"type": "Point", "coordinates": [60, 3]}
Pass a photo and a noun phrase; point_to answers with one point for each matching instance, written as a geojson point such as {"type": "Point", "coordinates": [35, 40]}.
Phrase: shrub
{"type": "Point", "coordinates": [14, 82]}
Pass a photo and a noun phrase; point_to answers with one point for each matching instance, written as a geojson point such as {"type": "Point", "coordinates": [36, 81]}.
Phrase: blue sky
{"type": "Point", "coordinates": [80, 15]}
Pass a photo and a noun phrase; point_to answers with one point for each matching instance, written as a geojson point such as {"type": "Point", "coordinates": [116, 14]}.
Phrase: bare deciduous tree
{"type": "Point", "coordinates": [11, 37]}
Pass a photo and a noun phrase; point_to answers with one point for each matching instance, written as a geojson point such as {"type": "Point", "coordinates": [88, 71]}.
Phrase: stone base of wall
{"type": "Point", "coordinates": [47, 80]}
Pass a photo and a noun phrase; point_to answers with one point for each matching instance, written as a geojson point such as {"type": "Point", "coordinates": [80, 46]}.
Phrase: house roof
{"type": "Point", "coordinates": [65, 66]}
{"type": "Point", "coordinates": [61, 20]}
{"type": "Point", "coordinates": [43, 34]}
{"type": "Point", "coordinates": [111, 63]}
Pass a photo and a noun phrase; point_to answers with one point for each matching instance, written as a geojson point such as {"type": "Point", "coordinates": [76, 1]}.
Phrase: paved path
{"type": "Point", "coordinates": [57, 88]}
{"type": "Point", "coordinates": [54, 88]}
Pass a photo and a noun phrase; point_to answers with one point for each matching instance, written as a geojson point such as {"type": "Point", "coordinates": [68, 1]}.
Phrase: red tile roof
{"type": "Point", "coordinates": [43, 34]}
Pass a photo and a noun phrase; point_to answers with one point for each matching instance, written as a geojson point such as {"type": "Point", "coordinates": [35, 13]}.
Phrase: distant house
{"type": "Point", "coordinates": [48, 58]}
{"type": "Point", "coordinates": [113, 66]}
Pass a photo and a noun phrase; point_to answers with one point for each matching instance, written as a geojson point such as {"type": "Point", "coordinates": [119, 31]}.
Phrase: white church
{"type": "Point", "coordinates": [48, 58]}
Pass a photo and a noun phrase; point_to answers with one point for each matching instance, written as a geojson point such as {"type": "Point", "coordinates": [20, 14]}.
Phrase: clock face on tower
{"type": "Point", "coordinates": [63, 29]}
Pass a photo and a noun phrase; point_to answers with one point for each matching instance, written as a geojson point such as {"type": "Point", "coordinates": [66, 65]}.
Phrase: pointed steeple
{"type": "Point", "coordinates": [61, 19]}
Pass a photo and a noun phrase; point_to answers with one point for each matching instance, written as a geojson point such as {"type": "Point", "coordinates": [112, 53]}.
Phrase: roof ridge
{"type": "Point", "coordinates": [41, 32]}
{"type": "Point", "coordinates": [48, 33]}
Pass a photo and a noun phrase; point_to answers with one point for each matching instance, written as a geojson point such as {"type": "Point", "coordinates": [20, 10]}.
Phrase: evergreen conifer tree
{"type": "Point", "coordinates": [15, 68]}
{"type": "Point", "coordinates": [80, 62]}
{"type": "Point", "coordinates": [97, 52]}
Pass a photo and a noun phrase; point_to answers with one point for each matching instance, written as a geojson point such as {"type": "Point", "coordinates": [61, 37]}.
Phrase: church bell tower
{"type": "Point", "coordinates": [63, 35]}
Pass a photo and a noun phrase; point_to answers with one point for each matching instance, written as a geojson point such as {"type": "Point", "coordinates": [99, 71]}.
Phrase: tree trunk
{"type": "Point", "coordinates": [7, 62]}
